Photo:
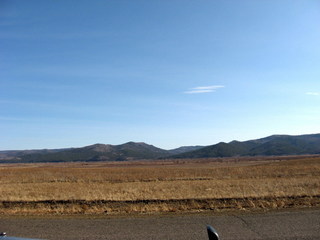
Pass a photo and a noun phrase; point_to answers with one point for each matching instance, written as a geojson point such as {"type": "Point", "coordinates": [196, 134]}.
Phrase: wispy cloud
{"type": "Point", "coordinates": [313, 93]}
{"type": "Point", "coordinates": [203, 89]}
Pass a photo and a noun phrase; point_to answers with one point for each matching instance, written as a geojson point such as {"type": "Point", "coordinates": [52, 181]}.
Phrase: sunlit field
{"type": "Point", "coordinates": [196, 180]}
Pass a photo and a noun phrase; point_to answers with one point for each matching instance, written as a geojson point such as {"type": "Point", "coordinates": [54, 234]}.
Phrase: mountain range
{"type": "Point", "coordinates": [270, 146]}
{"type": "Point", "coordinates": [275, 145]}
{"type": "Point", "coordinates": [97, 152]}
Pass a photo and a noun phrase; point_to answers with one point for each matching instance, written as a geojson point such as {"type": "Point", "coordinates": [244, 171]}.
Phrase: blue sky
{"type": "Point", "coordinates": [168, 73]}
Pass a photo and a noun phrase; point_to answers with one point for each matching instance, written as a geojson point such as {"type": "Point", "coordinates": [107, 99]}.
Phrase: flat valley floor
{"type": "Point", "coordinates": [172, 186]}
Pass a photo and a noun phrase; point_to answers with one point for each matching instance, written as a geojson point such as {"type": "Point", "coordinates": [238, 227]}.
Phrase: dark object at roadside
{"type": "Point", "coordinates": [212, 233]}
{"type": "Point", "coordinates": [3, 236]}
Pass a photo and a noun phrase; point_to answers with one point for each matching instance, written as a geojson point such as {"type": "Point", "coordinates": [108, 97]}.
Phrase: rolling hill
{"type": "Point", "coordinates": [275, 145]}
{"type": "Point", "coordinates": [96, 152]}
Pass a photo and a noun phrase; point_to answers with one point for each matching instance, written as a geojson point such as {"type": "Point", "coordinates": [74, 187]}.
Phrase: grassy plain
{"type": "Point", "coordinates": [160, 186]}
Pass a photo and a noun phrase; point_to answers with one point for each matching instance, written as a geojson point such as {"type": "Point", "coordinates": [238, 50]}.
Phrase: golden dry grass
{"type": "Point", "coordinates": [161, 180]}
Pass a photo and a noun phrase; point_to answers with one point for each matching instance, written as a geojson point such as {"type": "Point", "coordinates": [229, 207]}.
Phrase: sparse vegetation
{"type": "Point", "coordinates": [157, 186]}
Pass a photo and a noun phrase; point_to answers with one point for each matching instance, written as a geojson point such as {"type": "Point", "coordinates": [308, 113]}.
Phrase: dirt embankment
{"type": "Point", "coordinates": [156, 206]}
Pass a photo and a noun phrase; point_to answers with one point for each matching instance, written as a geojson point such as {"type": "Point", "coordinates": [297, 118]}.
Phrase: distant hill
{"type": "Point", "coordinates": [14, 154]}
{"type": "Point", "coordinates": [184, 149]}
{"type": "Point", "coordinates": [269, 146]}
{"type": "Point", "coordinates": [96, 152]}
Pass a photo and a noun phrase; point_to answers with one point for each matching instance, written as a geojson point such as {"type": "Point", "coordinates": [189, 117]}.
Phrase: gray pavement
{"type": "Point", "coordinates": [297, 224]}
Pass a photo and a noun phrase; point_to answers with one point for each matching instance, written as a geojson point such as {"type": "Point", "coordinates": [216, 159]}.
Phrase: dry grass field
{"type": "Point", "coordinates": [159, 186]}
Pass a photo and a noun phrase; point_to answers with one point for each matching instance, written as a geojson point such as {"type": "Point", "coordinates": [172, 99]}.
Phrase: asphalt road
{"type": "Point", "coordinates": [273, 225]}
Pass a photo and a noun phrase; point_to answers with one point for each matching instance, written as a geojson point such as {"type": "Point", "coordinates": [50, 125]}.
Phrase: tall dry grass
{"type": "Point", "coordinates": [161, 180]}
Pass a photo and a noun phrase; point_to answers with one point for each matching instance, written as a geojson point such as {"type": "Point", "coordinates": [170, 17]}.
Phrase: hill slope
{"type": "Point", "coordinates": [98, 152]}
{"type": "Point", "coordinates": [273, 145]}
{"type": "Point", "coordinates": [184, 149]}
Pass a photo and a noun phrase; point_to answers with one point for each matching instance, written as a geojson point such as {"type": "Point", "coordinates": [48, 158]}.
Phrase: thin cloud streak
{"type": "Point", "coordinates": [313, 93]}
{"type": "Point", "coordinates": [198, 91]}
{"type": "Point", "coordinates": [203, 89]}
{"type": "Point", "coordinates": [209, 87]}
